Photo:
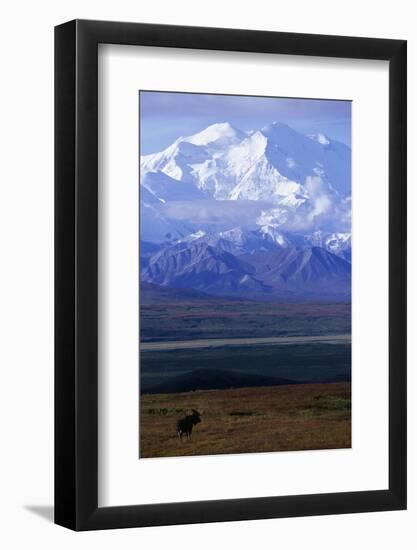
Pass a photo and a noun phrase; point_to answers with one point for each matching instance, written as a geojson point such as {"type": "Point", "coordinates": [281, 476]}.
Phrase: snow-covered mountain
{"type": "Point", "coordinates": [163, 188]}
{"type": "Point", "coordinates": [276, 162]}
{"type": "Point", "coordinates": [195, 159]}
{"type": "Point", "coordinates": [339, 244]}
{"type": "Point", "coordinates": [248, 214]}
{"type": "Point", "coordinates": [217, 137]}
{"type": "Point", "coordinates": [300, 183]}
{"type": "Point", "coordinates": [273, 162]}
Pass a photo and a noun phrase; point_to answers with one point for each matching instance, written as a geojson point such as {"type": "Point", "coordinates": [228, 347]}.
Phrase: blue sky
{"type": "Point", "coordinates": [165, 116]}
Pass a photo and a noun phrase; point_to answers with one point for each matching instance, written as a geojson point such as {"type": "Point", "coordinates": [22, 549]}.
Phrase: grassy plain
{"type": "Point", "coordinates": [172, 320]}
{"type": "Point", "coordinates": [245, 420]}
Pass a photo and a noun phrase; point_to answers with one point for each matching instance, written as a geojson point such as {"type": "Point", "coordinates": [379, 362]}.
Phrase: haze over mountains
{"type": "Point", "coordinates": [256, 215]}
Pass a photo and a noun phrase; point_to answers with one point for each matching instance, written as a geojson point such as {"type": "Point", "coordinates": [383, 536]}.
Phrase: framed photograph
{"type": "Point", "coordinates": [230, 244]}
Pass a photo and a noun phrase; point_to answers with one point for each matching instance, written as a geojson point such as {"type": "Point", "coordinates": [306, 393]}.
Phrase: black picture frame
{"type": "Point", "coordinates": [76, 272]}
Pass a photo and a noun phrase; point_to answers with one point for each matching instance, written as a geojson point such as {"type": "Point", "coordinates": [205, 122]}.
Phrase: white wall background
{"type": "Point", "coordinates": [26, 289]}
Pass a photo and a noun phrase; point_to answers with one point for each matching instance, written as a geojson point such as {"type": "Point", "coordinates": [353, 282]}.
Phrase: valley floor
{"type": "Point", "coordinates": [167, 318]}
{"type": "Point", "coordinates": [246, 420]}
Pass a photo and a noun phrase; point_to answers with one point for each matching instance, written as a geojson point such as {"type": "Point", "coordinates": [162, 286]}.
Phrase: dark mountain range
{"type": "Point", "coordinates": [306, 271]}
{"type": "Point", "coordinates": [203, 267]}
{"type": "Point", "coordinates": [223, 268]}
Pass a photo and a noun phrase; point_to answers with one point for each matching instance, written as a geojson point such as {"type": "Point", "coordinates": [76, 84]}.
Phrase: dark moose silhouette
{"type": "Point", "coordinates": [185, 425]}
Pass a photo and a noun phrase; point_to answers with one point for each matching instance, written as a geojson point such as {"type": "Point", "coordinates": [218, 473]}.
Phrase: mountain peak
{"type": "Point", "coordinates": [220, 131]}
{"type": "Point", "coordinates": [222, 126]}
